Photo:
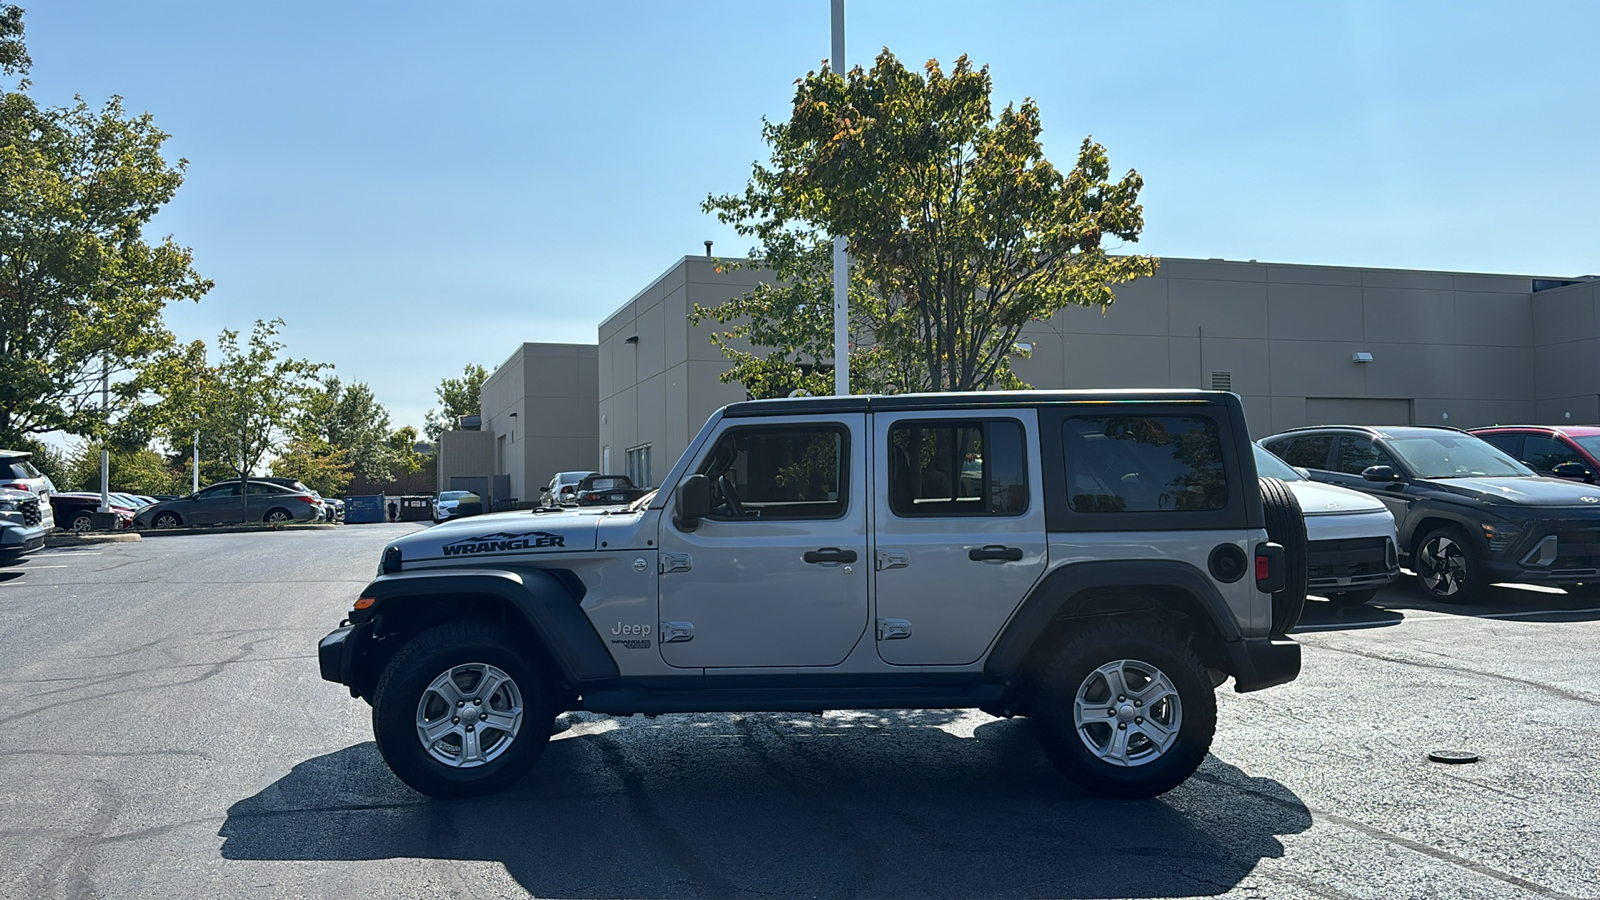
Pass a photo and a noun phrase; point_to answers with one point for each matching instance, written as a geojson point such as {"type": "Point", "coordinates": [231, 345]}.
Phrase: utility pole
{"type": "Point", "coordinates": [841, 258]}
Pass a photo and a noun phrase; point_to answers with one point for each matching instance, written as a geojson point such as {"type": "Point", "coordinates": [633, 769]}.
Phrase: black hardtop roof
{"type": "Point", "coordinates": [966, 400]}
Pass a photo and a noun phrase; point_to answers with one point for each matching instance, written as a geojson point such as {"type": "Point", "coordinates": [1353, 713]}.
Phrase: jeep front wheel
{"type": "Point", "coordinates": [1125, 709]}
{"type": "Point", "coordinates": [458, 712]}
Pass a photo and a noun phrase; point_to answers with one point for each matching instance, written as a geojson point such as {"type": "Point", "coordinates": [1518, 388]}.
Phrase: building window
{"type": "Point", "coordinates": [605, 460]}
{"type": "Point", "coordinates": [639, 466]}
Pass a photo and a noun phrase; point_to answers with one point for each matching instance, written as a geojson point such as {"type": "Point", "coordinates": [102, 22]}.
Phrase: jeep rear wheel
{"type": "Point", "coordinates": [1125, 709]}
{"type": "Point", "coordinates": [458, 712]}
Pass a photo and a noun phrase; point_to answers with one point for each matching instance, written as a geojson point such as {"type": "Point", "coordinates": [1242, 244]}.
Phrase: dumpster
{"type": "Point", "coordinates": [366, 510]}
{"type": "Point", "coordinates": [416, 508]}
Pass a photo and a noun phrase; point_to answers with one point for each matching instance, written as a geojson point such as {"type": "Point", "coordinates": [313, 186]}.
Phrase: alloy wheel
{"type": "Point", "coordinates": [1442, 566]}
{"type": "Point", "coordinates": [469, 715]}
{"type": "Point", "coordinates": [1127, 713]}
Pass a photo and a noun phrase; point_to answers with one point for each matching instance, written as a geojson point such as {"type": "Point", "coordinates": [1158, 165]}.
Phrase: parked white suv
{"type": "Point", "coordinates": [1100, 561]}
{"type": "Point", "coordinates": [1352, 546]}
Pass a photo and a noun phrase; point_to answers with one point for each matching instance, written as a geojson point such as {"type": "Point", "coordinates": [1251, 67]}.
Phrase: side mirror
{"type": "Point", "coordinates": [693, 502]}
{"type": "Point", "coordinates": [1380, 473]}
{"type": "Point", "coordinates": [1574, 470]}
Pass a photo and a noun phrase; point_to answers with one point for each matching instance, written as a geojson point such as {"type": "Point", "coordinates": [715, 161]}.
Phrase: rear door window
{"type": "Point", "coordinates": [1308, 452]}
{"type": "Point", "coordinates": [1131, 464]}
{"type": "Point", "coordinates": [955, 468]}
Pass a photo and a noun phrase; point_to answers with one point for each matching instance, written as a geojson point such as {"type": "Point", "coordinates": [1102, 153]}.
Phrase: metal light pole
{"type": "Point", "coordinates": [196, 458]}
{"type": "Point", "coordinates": [841, 259]}
{"type": "Point", "coordinates": [105, 436]}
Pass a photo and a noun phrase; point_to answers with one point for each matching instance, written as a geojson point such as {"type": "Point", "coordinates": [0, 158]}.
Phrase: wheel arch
{"type": "Point", "coordinates": [1433, 521]}
{"type": "Point", "coordinates": [538, 609]}
{"type": "Point", "coordinates": [1165, 589]}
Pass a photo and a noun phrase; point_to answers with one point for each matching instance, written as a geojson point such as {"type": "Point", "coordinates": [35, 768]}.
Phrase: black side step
{"type": "Point", "coordinates": [623, 701]}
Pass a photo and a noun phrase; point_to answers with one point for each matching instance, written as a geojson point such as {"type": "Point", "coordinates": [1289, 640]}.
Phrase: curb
{"type": "Point", "coordinates": [233, 529]}
{"type": "Point", "coordinates": [74, 540]}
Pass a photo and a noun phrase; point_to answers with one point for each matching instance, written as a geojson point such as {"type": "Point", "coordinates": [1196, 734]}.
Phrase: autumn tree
{"type": "Point", "coordinates": [457, 397]}
{"type": "Point", "coordinates": [82, 289]}
{"type": "Point", "coordinates": [960, 232]}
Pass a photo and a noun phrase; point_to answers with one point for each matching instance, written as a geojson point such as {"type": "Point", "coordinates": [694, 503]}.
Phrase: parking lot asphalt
{"type": "Point", "coordinates": [164, 732]}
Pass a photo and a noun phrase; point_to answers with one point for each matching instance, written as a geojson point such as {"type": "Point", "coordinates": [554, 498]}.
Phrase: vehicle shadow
{"type": "Point", "coordinates": [1406, 598]}
{"type": "Point", "coordinates": [881, 804]}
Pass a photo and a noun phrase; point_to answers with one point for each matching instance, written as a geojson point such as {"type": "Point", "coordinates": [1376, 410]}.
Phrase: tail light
{"type": "Point", "coordinates": [591, 496]}
{"type": "Point", "coordinates": [17, 486]}
{"type": "Point", "coordinates": [307, 499]}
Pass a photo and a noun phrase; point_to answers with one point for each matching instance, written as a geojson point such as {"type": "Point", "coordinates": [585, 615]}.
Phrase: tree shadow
{"type": "Point", "coordinates": [884, 804]}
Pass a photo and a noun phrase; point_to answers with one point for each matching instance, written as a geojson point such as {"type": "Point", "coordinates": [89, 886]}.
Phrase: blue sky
{"type": "Point", "coordinates": [418, 186]}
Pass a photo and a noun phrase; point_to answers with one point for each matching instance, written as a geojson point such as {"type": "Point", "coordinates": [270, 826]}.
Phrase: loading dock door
{"type": "Point", "coordinates": [1357, 411]}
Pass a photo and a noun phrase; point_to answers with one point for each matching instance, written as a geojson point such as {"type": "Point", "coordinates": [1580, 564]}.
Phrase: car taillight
{"type": "Point", "coordinates": [591, 496]}
{"type": "Point", "coordinates": [567, 489]}
{"type": "Point", "coordinates": [17, 486]}
{"type": "Point", "coordinates": [307, 499]}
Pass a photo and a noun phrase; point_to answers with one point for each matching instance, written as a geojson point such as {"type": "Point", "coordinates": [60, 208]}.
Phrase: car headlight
{"type": "Point", "coordinates": [9, 506]}
{"type": "Point", "coordinates": [1500, 535]}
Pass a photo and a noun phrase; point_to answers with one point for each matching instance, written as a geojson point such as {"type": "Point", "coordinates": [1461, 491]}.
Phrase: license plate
{"type": "Point", "coordinates": [619, 497]}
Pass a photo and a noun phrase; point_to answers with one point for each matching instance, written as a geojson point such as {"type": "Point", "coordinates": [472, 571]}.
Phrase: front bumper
{"type": "Point", "coordinates": [17, 540]}
{"type": "Point", "coordinates": [1561, 552]}
{"type": "Point", "coordinates": [336, 653]}
{"type": "Point", "coordinates": [1351, 551]}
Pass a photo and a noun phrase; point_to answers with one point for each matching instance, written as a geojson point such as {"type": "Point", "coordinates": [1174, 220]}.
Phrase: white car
{"type": "Point", "coordinates": [1352, 538]}
{"type": "Point", "coordinates": [563, 489]}
{"type": "Point", "coordinates": [444, 505]}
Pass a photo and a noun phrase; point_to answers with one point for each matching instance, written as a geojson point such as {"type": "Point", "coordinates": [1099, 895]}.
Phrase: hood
{"type": "Point", "coordinates": [507, 536]}
{"type": "Point", "coordinates": [1317, 499]}
{"type": "Point", "coordinates": [1523, 491]}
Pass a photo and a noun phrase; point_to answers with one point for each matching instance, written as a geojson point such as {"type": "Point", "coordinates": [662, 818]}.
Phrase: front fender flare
{"type": "Point", "coordinates": [541, 598]}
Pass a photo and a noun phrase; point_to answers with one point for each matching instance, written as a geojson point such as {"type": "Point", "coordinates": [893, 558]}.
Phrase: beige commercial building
{"type": "Point", "coordinates": [538, 417]}
{"type": "Point", "coordinates": [1301, 344]}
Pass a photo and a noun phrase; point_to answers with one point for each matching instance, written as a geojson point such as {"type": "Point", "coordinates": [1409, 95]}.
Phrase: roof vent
{"type": "Point", "coordinates": [1222, 381]}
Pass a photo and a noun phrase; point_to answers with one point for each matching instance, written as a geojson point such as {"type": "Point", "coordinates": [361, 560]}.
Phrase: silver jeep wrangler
{"type": "Point", "coordinates": [1101, 561]}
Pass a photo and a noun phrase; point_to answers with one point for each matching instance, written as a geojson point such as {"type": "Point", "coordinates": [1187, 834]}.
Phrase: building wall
{"type": "Point", "coordinates": [464, 453]}
{"type": "Point", "coordinates": [1444, 344]}
{"type": "Point", "coordinates": [1478, 349]}
{"type": "Point", "coordinates": [658, 391]}
{"type": "Point", "coordinates": [1566, 374]}
{"type": "Point", "coordinates": [540, 404]}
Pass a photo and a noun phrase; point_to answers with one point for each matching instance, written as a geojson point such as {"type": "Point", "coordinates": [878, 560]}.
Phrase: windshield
{"type": "Point", "coordinates": [1273, 467]}
{"type": "Point", "coordinates": [452, 495]}
{"type": "Point", "coordinates": [1589, 442]}
{"type": "Point", "coordinates": [1456, 456]}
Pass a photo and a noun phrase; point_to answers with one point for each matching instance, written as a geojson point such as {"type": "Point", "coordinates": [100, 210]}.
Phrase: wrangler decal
{"type": "Point", "coordinates": [503, 542]}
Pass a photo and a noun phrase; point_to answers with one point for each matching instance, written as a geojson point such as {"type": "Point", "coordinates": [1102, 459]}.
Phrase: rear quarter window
{"type": "Point", "coordinates": [1138, 464]}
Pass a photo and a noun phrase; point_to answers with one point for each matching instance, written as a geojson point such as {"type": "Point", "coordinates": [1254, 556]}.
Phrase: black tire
{"type": "Point", "coordinates": [1073, 666]}
{"type": "Point", "coordinates": [1353, 598]}
{"type": "Point", "coordinates": [1447, 567]}
{"type": "Point", "coordinates": [1286, 526]}
{"type": "Point", "coordinates": [404, 687]}
{"type": "Point", "coordinates": [277, 514]}
{"type": "Point", "coordinates": [83, 521]}
{"type": "Point", "coordinates": [167, 519]}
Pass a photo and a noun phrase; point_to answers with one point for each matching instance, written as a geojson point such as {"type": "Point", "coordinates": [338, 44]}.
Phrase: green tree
{"type": "Point", "coordinates": [403, 450]}
{"type": "Point", "coordinates": [315, 463]}
{"type": "Point", "coordinates": [350, 419]}
{"type": "Point", "coordinates": [137, 470]}
{"type": "Point", "coordinates": [81, 289]}
{"type": "Point", "coordinates": [457, 397]}
{"type": "Point", "coordinates": [960, 230]}
{"type": "Point", "coordinates": [254, 395]}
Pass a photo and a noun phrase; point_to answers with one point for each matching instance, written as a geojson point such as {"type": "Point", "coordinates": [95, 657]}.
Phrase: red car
{"type": "Point", "coordinates": [1566, 451]}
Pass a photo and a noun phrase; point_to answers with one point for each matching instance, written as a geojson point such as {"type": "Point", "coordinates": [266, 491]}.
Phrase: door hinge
{"type": "Point", "coordinates": [676, 632]}
{"type": "Point", "coordinates": [676, 562]}
{"type": "Point", "coordinates": [893, 559]}
{"type": "Point", "coordinates": [893, 629]}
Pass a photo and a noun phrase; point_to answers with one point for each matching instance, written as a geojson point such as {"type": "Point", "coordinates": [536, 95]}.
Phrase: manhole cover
{"type": "Point", "coordinates": [1453, 757]}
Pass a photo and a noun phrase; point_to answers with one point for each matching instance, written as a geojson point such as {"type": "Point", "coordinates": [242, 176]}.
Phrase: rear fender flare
{"type": "Point", "coordinates": [1055, 595]}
